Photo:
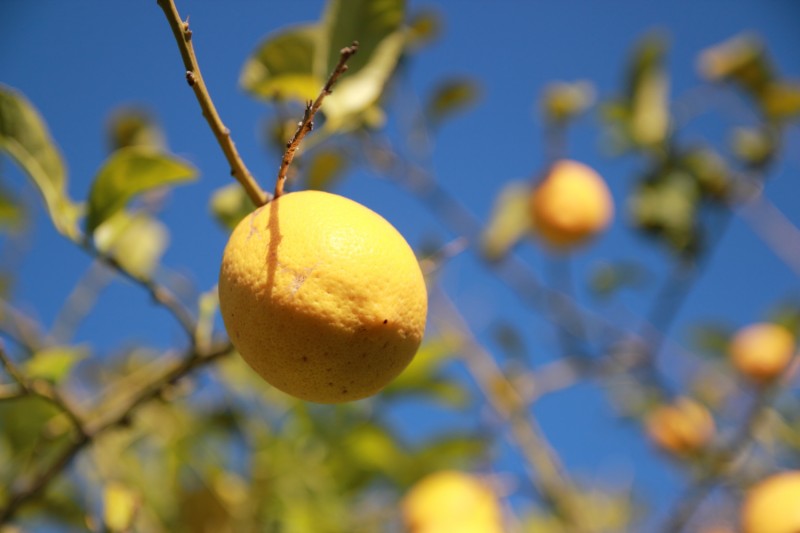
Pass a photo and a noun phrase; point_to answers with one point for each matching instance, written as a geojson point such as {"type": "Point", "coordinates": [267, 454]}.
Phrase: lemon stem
{"type": "Point", "coordinates": [307, 124]}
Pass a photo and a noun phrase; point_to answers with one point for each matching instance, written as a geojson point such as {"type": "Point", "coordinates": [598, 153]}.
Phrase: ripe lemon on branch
{"type": "Point", "coordinates": [322, 297]}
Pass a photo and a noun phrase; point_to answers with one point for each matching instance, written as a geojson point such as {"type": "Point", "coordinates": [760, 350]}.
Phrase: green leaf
{"type": "Point", "coordinates": [781, 100]}
{"type": "Point", "coordinates": [509, 222]}
{"type": "Point", "coordinates": [11, 212]}
{"type": "Point", "coordinates": [451, 96]}
{"type": "Point", "coordinates": [136, 241]}
{"type": "Point", "coordinates": [711, 339]}
{"type": "Point", "coordinates": [740, 60]}
{"type": "Point", "coordinates": [130, 126]}
{"type": "Point", "coordinates": [282, 67]}
{"type": "Point", "coordinates": [648, 93]}
{"type": "Point", "coordinates": [377, 25]}
{"type": "Point", "coordinates": [423, 28]}
{"type": "Point", "coordinates": [563, 101]}
{"type": "Point", "coordinates": [753, 146]}
{"type": "Point", "coordinates": [370, 22]}
{"type": "Point", "coordinates": [127, 173]}
{"type": "Point", "coordinates": [230, 204]}
{"type": "Point", "coordinates": [356, 94]}
{"type": "Point", "coordinates": [325, 168]}
{"type": "Point", "coordinates": [24, 136]}
{"type": "Point", "coordinates": [54, 364]}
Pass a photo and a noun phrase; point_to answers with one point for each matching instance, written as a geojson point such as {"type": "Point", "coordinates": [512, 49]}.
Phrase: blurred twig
{"type": "Point", "coordinates": [183, 37]}
{"type": "Point", "coordinates": [307, 124]}
{"type": "Point", "coordinates": [20, 328]}
{"type": "Point", "coordinates": [79, 302]}
{"type": "Point", "coordinates": [550, 477]}
{"type": "Point", "coordinates": [774, 228]}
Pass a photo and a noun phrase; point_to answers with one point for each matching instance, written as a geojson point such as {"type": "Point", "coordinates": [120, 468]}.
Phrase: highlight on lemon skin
{"type": "Point", "coordinates": [570, 205]}
{"type": "Point", "coordinates": [682, 428]}
{"type": "Point", "coordinates": [773, 505]}
{"type": "Point", "coordinates": [761, 352]}
{"type": "Point", "coordinates": [449, 501]}
{"type": "Point", "coordinates": [322, 297]}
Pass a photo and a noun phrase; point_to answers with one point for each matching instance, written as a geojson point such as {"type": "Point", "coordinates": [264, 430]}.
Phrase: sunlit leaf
{"type": "Point", "coordinates": [130, 126]}
{"type": "Point", "coordinates": [230, 204]}
{"type": "Point", "coordinates": [283, 66]}
{"type": "Point", "coordinates": [55, 363]}
{"type": "Point", "coordinates": [24, 136]}
{"type": "Point", "coordinates": [450, 97]}
{"type": "Point", "coordinates": [509, 222]}
{"type": "Point", "coordinates": [119, 506]}
{"type": "Point", "coordinates": [135, 240]}
{"type": "Point", "coordinates": [370, 22]}
{"type": "Point", "coordinates": [740, 59]}
{"type": "Point", "coordinates": [648, 93]}
{"type": "Point", "coordinates": [781, 100]}
{"type": "Point", "coordinates": [324, 169]}
{"type": "Point", "coordinates": [129, 172]}
{"type": "Point", "coordinates": [667, 207]}
{"type": "Point", "coordinates": [712, 173]}
{"type": "Point", "coordinates": [562, 101]}
{"type": "Point", "coordinates": [430, 357]}
{"type": "Point", "coordinates": [754, 146]}
{"type": "Point", "coordinates": [359, 91]}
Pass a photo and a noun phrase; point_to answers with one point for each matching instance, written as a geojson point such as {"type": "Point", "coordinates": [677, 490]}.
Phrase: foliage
{"type": "Point", "coordinates": [190, 439]}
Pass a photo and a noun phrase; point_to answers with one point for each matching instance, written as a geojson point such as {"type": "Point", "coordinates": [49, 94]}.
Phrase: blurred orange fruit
{"type": "Point", "coordinates": [682, 428]}
{"type": "Point", "coordinates": [773, 505]}
{"type": "Point", "coordinates": [762, 351]}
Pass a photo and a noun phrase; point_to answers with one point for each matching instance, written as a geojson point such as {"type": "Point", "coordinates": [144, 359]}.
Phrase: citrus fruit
{"type": "Point", "coordinates": [451, 502]}
{"type": "Point", "coordinates": [761, 351]}
{"type": "Point", "coordinates": [682, 428]}
{"type": "Point", "coordinates": [322, 297]}
{"type": "Point", "coordinates": [570, 205]}
{"type": "Point", "coordinates": [773, 505]}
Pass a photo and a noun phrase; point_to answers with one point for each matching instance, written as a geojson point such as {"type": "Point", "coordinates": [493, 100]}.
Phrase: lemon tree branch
{"type": "Point", "coordinates": [29, 491]}
{"type": "Point", "coordinates": [183, 37]}
{"type": "Point", "coordinates": [307, 124]}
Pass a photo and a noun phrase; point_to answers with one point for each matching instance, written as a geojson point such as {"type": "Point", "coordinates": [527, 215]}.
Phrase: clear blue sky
{"type": "Point", "coordinates": [77, 61]}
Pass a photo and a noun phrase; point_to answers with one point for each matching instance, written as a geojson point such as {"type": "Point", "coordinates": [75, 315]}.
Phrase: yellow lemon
{"type": "Point", "coordinates": [682, 428]}
{"type": "Point", "coordinates": [451, 502]}
{"type": "Point", "coordinates": [762, 351]}
{"type": "Point", "coordinates": [322, 297]}
{"type": "Point", "coordinates": [773, 505]}
{"type": "Point", "coordinates": [570, 205]}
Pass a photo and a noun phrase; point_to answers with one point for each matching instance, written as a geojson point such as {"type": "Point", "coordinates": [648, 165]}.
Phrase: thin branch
{"type": "Point", "coordinates": [307, 124]}
{"type": "Point", "coordinates": [159, 293]}
{"type": "Point", "coordinates": [194, 359]}
{"type": "Point", "coordinates": [774, 228]}
{"type": "Point", "coordinates": [550, 477]}
{"type": "Point", "coordinates": [183, 37]}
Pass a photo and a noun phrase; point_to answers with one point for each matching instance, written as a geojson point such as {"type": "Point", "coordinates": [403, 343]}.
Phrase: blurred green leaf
{"type": "Point", "coordinates": [607, 278]}
{"type": "Point", "coordinates": [563, 101]}
{"type": "Point", "coordinates": [450, 97]}
{"type": "Point", "coordinates": [753, 146]}
{"type": "Point", "coordinates": [55, 363]}
{"type": "Point", "coordinates": [781, 100]}
{"type": "Point", "coordinates": [423, 28]}
{"type": "Point", "coordinates": [135, 240]}
{"type": "Point", "coordinates": [370, 22]}
{"type": "Point", "coordinates": [129, 172]}
{"type": "Point", "coordinates": [119, 506]}
{"type": "Point", "coordinates": [131, 126]}
{"type": "Point", "coordinates": [324, 169]}
{"type": "Point", "coordinates": [648, 93]}
{"type": "Point", "coordinates": [711, 172]}
{"type": "Point", "coordinates": [11, 212]}
{"type": "Point", "coordinates": [711, 339]}
{"type": "Point", "coordinates": [24, 136]}
{"type": "Point", "coordinates": [509, 221]}
{"type": "Point", "coordinates": [787, 315]}
{"type": "Point", "coordinates": [283, 66]}
{"type": "Point", "coordinates": [741, 60]}
{"type": "Point", "coordinates": [509, 340]}
{"type": "Point", "coordinates": [230, 204]}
